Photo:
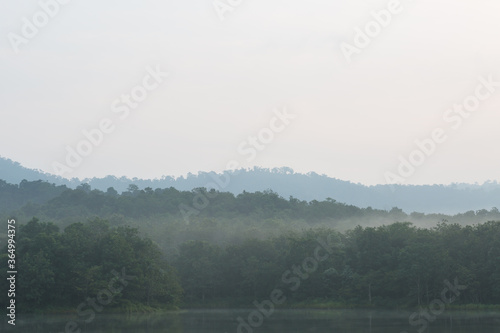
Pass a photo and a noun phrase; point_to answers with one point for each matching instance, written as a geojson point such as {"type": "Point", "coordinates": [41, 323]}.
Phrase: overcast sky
{"type": "Point", "coordinates": [353, 119]}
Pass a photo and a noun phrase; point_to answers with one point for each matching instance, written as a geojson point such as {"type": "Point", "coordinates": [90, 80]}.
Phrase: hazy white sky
{"type": "Point", "coordinates": [353, 120]}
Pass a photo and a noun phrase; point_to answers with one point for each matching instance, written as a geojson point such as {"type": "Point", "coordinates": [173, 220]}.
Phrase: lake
{"type": "Point", "coordinates": [226, 321]}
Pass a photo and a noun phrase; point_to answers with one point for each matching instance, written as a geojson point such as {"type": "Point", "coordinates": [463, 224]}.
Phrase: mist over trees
{"type": "Point", "coordinates": [395, 266]}
{"type": "Point", "coordinates": [236, 249]}
{"type": "Point", "coordinates": [63, 206]}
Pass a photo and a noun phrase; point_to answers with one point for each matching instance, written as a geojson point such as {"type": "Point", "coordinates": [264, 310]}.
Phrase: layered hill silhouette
{"type": "Point", "coordinates": [446, 199]}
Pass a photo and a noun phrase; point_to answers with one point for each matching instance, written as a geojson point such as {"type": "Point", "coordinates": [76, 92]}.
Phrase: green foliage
{"type": "Point", "coordinates": [238, 249]}
{"type": "Point", "coordinates": [27, 194]}
{"type": "Point", "coordinates": [63, 269]}
{"type": "Point", "coordinates": [397, 265]}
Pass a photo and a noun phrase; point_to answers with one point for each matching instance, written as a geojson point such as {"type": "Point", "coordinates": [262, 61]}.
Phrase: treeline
{"type": "Point", "coordinates": [62, 204]}
{"type": "Point", "coordinates": [397, 265]}
{"type": "Point", "coordinates": [13, 196]}
{"type": "Point", "coordinates": [136, 203]}
{"type": "Point", "coordinates": [88, 262]}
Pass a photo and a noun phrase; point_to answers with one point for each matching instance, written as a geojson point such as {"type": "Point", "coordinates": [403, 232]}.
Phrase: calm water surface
{"type": "Point", "coordinates": [225, 321]}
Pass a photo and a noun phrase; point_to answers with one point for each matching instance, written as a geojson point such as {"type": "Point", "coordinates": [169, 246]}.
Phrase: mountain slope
{"type": "Point", "coordinates": [450, 199]}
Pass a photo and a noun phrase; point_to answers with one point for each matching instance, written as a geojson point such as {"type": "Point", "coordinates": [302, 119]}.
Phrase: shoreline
{"type": "Point", "coordinates": [145, 310]}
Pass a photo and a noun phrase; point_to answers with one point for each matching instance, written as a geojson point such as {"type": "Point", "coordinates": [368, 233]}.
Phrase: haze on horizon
{"type": "Point", "coordinates": [229, 80]}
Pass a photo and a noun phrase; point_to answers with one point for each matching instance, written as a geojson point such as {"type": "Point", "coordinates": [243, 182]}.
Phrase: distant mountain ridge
{"type": "Point", "coordinates": [447, 199]}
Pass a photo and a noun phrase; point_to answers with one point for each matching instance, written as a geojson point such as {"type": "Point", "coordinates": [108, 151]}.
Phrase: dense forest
{"type": "Point", "coordinates": [59, 203]}
{"type": "Point", "coordinates": [56, 268]}
{"type": "Point", "coordinates": [397, 265]}
{"type": "Point", "coordinates": [204, 248]}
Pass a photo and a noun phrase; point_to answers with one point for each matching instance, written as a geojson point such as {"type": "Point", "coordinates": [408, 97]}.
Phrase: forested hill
{"type": "Point", "coordinates": [62, 204]}
{"type": "Point", "coordinates": [450, 199]}
{"type": "Point", "coordinates": [212, 248]}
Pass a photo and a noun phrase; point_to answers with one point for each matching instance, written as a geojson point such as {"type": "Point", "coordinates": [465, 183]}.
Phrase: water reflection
{"type": "Point", "coordinates": [317, 321]}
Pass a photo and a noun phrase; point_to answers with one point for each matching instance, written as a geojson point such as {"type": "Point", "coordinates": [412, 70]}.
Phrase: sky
{"type": "Point", "coordinates": [372, 92]}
